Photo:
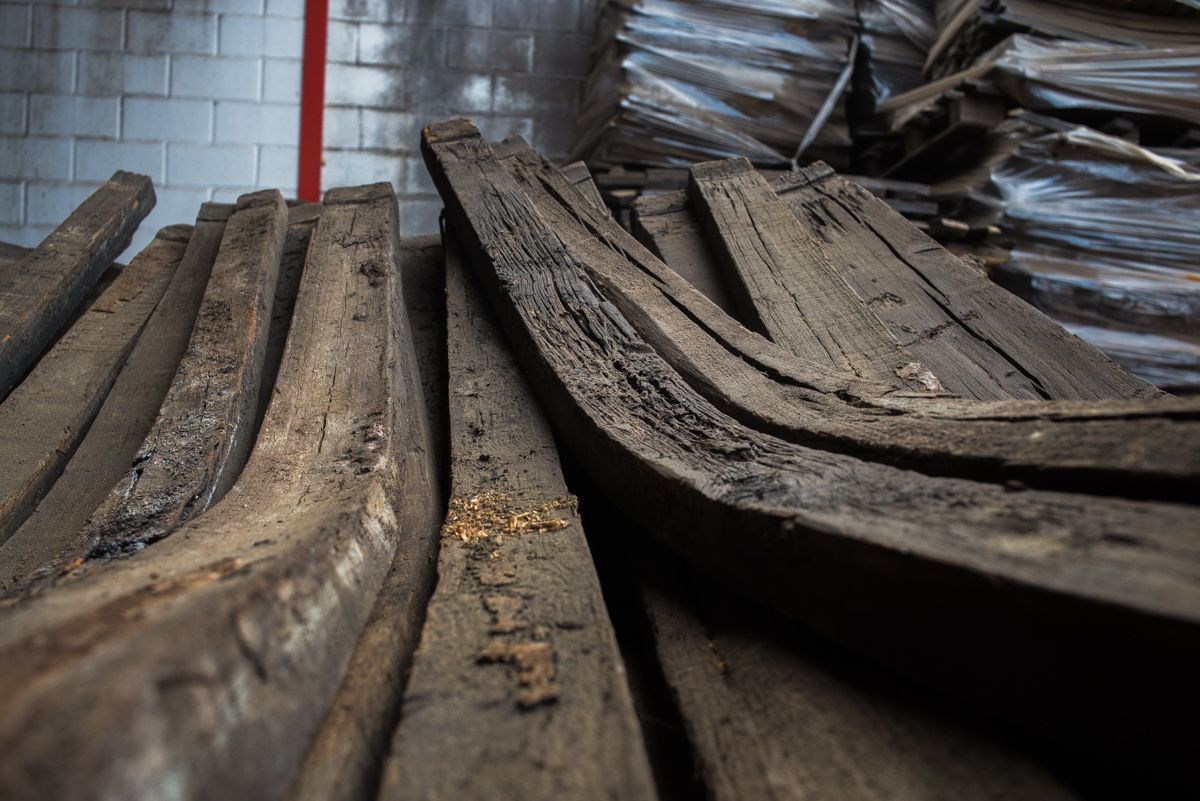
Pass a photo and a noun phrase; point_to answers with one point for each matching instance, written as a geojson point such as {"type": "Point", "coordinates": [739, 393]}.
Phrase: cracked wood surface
{"type": "Point", "coordinates": [344, 761]}
{"type": "Point", "coordinates": [214, 652]}
{"type": "Point", "coordinates": [43, 420]}
{"type": "Point", "coordinates": [786, 286]}
{"type": "Point", "coordinates": [1127, 447]}
{"type": "Point", "coordinates": [50, 538]}
{"type": "Point", "coordinates": [518, 689]}
{"type": "Point", "coordinates": [851, 547]}
{"type": "Point", "coordinates": [39, 291]}
{"type": "Point", "coordinates": [665, 225]}
{"type": "Point", "coordinates": [205, 426]}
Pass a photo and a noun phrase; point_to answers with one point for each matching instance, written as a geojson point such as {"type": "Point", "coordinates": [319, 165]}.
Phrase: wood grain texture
{"type": "Point", "coordinates": [518, 689]}
{"type": "Point", "coordinates": [213, 653]}
{"type": "Point", "coordinates": [10, 253]}
{"type": "Point", "coordinates": [850, 547]}
{"type": "Point", "coordinates": [50, 538]}
{"type": "Point", "coordinates": [39, 292]}
{"type": "Point", "coordinates": [204, 429]}
{"type": "Point", "coordinates": [346, 757]}
{"type": "Point", "coordinates": [774, 712]}
{"type": "Point", "coordinates": [1128, 447]}
{"type": "Point", "coordinates": [45, 417]}
{"type": "Point", "coordinates": [784, 283]}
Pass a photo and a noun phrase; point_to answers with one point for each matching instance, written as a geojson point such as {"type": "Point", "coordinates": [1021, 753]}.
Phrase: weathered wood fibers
{"type": "Point", "coordinates": [1043, 601]}
{"type": "Point", "coordinates": [518, 689]}
{"type": "Point", "coordinates": [1129, 447]}
{"type": "Point", "coordinates": [205, 426]}
{"type": "Point", "coordinates": [578, 174]}
{"type": "Point", "coordinates": [50, 537]}
{"type": "Point", "coordinates": [44, 418]}
{"type": "Point", "coordinates": [784, 283]}
{"type": "Point", "coordinates": [10, 253]}
{"type": "Point", "coordinates": [346, 757]}
{"type": "Point", "coordinates": [200, 667]}
{"type": "Point", "coordinates": [38, 292]}
{"type": "Point", "coordinates": [886, 258]}
{"type": "Point", "coordinates": [773, 712]}
{"type": "Point", "coordinates": [664, 224]}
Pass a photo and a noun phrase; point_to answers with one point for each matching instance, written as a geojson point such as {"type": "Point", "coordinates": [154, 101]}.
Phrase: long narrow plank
{"type": "Point", "coordinates": [1041, 355]}
{"type": "Point", "coordinates": [577, 173]}
{"type": "Point", "coordinates": [204, 429]}
{"type": "Point", "coordinates": [664, 224]}
{"type": "Point", "coordinates": [200, 667]}
{"type": "Point", "coordinates": [518, 689]}
{"type": "Point", "coordinates": [772, 712]}
{"type": "Point", "coordinates": [43, 420]}
{"type": "Point", "coordinates": [848, 546]}
{"type": "Point", "coordinates": [1131, 447]}
{"type": "Point", "coordinates": [783, 281]}
{"type": "Point", "coordinates": [50, 538]}
{"type": "Point", "coordinates": [39, 292]}
{"type": "Point", "coordinates": [346, 757]}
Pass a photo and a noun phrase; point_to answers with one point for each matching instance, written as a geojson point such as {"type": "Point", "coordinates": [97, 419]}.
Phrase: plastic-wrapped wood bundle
{"type": "Point", "coordinates": [679, 81]}
{"type": "Point", "coordinates": [1107, 238]}
{"type": "Point", "coordinates": [896, 36]}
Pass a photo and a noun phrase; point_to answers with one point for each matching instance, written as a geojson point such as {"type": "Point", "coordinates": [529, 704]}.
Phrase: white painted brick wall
{"type": "Point", "coordinates": [201, 95]}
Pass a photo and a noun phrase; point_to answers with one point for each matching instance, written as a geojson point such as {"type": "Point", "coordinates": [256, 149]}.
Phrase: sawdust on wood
{"type": "Point", "coordinates": [491, 514]}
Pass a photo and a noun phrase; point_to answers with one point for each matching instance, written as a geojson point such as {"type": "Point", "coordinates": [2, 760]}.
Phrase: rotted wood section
{"type": "Point", "coordinates": [1106, 589]}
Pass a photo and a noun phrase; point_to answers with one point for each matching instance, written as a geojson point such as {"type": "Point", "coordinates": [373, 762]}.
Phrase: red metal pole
{"type": "Point", "coordinates": [312, 99]}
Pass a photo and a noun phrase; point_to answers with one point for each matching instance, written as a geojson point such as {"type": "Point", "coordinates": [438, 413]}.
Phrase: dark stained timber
{"type": "Point", "coordinates": [1129, 447]}
{"type": "Point", "coordinates": [200, 667]}
{"type": "Point", "coordinates": [1030, 604]}
{"type": "Point", "coordinates": [39, 292]}
{"type": "Point", "coordinates": [345, 758]}
{"type": "Point", "coordinates": [517, 689]}
{"type": "Point", "coordinates": [44, 418]}
{"type": "Point", "coordinates": [205, 426]}
{"type": "Point", "coordinates": [785, 284]}
{"type": "Point", "coordinates": [50, 538]}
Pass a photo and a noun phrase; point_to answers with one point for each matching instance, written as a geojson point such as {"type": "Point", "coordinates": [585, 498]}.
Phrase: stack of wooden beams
{"type": "Point", "coordinates": [782, 501]}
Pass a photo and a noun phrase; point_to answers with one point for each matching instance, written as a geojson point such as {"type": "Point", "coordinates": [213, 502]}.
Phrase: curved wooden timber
{"type": "Point", "coordinates": [51, 536]}
{"type": "Point", "coordinates": [1144, 447]}
{"type": "Point", "coordinates": [517, 689]}
{"type": "Point", "coordinates": [39, 291]}
{"type": "Point", "coordinates": [45, 417]}
{"type": "Point", "coordinates": [1031, 604]}
{"type": "Point", "coordinates": [205, 426]}
{"type": "Point", "coordinates": [200, 667]}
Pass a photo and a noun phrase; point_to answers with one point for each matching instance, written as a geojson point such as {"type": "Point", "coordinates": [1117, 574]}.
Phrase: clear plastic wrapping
{"type": "Point", "coordinates": [679, 81]}
{"type": "Point", "coordinates": [896, 35]}
{"type": "Point", "coordinates": [1106, 237]}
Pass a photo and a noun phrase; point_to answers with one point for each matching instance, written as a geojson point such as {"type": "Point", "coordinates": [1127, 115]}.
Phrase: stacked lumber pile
{"type": "Point", "coordinates": [778, 499]}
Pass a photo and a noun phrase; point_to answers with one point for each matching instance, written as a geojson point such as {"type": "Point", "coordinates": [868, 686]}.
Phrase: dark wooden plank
{"type": "Point", "coordinates": [45, 417]}
{"type": "Point", "coordinates": [782, 280]}
{"type": "Point", "coordinates": [50, 537]}
{"type": "Point", "coordinates": [201, 666]}
{"type": "Point", "coordinates": [577, 173]}
{"type": "Point", "coordinates": [345, 758]}
{"type": "Point", "coordinates": [774, 712]}
{"type": "Point", "coordinates": [665, 225]}
{"type": "Point", "coordinates": [204, 429]}
{"type": "Point", "coordinates": [39, 292]}
{"type": "Point", "coordinates": [1052, 362]}
{"type": "Point", "coordinates": [1129, 447]}
{"type": "Point", "coordinates": [518, 689]}
{"type": "Point", "coordinates": [1057, 599]}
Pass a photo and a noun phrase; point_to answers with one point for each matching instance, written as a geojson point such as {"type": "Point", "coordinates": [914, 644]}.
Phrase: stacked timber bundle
{"type": "Point", "coordinates": [801, 506]}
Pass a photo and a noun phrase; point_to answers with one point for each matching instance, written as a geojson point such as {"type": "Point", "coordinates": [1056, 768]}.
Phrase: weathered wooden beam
{"type": "Point", "coordinates": [201, 666]}
{"type": "Point", "coordinates": [205, 426]}
{"type": "Point", "coordinates": [785, 284]}
{"type": "Point", "coordinates": [1130, 447]}
{"type": "Point", "coordinates": [517, 689]}
{"type": "Point", "coordinates": [577, 173]}
{"type": "Point", "coordinates": [1030, 604]}
{"type": "Point", "coordinates": [39, 292]}
{"type": "Point", "coordinates": [345, 759]}
{"type": "Point", "coordinates": [44, 418]}
{"type": "Point", "coordinates": [10, 253]}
